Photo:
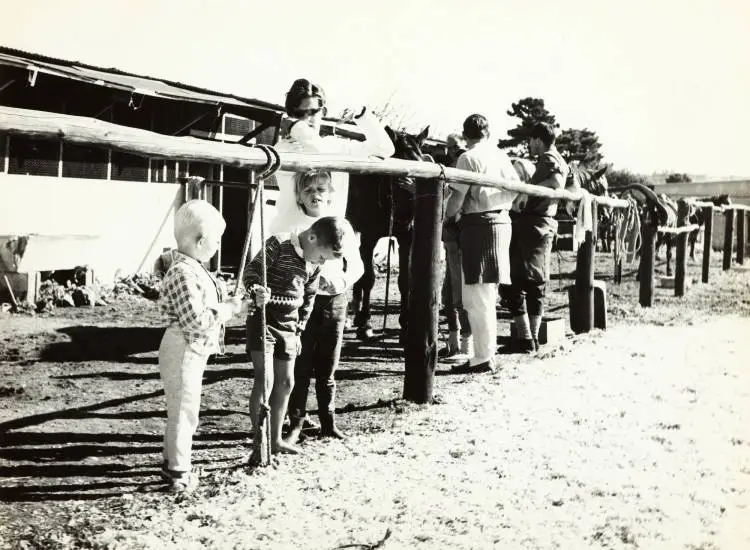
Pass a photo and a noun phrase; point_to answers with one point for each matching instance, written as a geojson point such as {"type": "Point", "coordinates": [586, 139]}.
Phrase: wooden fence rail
{"type": "Point", "coordinates": [92, 132]}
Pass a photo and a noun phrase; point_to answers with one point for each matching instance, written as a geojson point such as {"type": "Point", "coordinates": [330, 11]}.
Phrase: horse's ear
{"type": "Point", "coordinates": [391, 133]}
{"type": "Point", "coordinates": [423, 134]}
{"type": "Point", "coordinates": [599, 173]}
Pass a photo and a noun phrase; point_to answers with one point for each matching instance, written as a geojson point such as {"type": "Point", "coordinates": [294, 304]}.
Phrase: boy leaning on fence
{"type": "Point", "coordinates": [195, 308]}
{"type": "Point", "coordinates": [293, 263]}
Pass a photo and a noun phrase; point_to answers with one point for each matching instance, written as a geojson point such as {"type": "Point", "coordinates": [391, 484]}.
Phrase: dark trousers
{"type": "Point", "coordinates": [530, 251]}
{"type": "Point", "coordinates": [454, 310]}
{"type": "Point", "coordinates": [321, 349]}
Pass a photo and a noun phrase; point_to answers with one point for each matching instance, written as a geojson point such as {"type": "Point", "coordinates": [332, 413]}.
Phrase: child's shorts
{"type": "Point", "coordinates": [281, 328]}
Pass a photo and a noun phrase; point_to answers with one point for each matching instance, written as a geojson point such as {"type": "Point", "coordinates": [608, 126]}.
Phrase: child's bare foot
{"type": "Point", "coordinates": [293, 437]}
{"type": "Point", "coordinates": [283, 447]}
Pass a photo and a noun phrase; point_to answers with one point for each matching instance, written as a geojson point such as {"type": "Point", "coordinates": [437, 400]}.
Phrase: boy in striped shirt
{"type": "Point", "coordinates": [293, 263]}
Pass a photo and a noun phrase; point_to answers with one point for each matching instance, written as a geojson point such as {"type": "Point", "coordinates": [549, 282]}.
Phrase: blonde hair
{"type": "Point", "coordinates": [195, 219]}
{"type": "Point", "coordinates": [305, 179]}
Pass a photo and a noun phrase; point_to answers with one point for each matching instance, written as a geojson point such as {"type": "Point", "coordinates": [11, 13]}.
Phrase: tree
{"type": "Point", "coordinates": [581, 145]}
{"type": "Point", "coordinates": [621, 178]}
{"type": "Point", "coordinates": [678, 178]}
{"type": "Point", "coordinates": [530, 110]}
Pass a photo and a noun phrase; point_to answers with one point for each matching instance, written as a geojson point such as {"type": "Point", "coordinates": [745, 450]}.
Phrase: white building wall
{"type": "Point", "coordinates": [124, 225]}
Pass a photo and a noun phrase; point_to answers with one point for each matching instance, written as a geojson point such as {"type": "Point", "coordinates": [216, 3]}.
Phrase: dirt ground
{"type": "Point", "coordinates": [633, 437]}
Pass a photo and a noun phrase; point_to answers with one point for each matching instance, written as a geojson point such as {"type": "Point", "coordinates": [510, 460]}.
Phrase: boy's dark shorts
{"type": "Point", "coordinates": [282, 331]}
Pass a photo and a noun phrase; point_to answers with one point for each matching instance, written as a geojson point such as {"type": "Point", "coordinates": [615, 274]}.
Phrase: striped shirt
{"type": "Point", "coordinates": [292, 279]}
{"type": "Point", "coordinates": [192, 301]}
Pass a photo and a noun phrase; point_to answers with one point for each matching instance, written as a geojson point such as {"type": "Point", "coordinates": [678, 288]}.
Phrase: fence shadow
{"type": "Point", "coordinates": [93, 343]}
{"type": "Point", "coordinates": [59, 455]}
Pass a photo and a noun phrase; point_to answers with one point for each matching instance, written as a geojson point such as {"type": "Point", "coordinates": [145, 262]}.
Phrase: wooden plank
{"type": "Point", "coordinates": [680, 230]}
{"type": "Point", "coordinates": [611, 202]}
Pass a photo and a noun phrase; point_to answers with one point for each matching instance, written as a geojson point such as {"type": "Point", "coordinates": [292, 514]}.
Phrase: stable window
{"type": "Point", "coordinates": [33, 157]}
{"type": "Point", "coordinates": [129, 167]}
{"type": "Point", "coordinates": [237, 126]}
{"type": "Point", "coordinates": [203, 170]}
{"type": "Point", "coordinates": [80, 161]}
{"type": "Point", "coordinates": [162, 171]}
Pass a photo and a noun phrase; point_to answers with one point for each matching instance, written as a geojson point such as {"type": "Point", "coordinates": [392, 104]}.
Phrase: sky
{"type": "Point", "coordinates": [664, 83]}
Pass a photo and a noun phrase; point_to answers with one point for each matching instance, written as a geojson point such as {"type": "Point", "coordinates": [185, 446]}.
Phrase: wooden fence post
{"type": "Point", "coordinates": [728, 238]}
{"type": "Point", "coordinates": [741, 236]}
{"type": "Point", "coordinates": [648, 257]}
{"type": "Point", "coordinates": [680, 268]}
{"type": "Point", "coordinates": [617, 276]}
{"type": "Point", "coordinates": [584, 287]}
{"type": "Point", "coordinates": [708, 235]}
{"type": "Point", "coordinates": [424, 283]}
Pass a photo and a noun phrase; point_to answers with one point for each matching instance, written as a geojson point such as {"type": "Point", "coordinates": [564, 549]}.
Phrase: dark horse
{"type": "Point", "coordinates": [379, 206]}
{"type": "Point", "coordinates": [695, 217]}
{"type": "Point", "coordinates": [593, 181]}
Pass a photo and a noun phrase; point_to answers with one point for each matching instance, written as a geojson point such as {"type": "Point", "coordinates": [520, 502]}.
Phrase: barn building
{"type": "Point", "coordinates": [66, 205]}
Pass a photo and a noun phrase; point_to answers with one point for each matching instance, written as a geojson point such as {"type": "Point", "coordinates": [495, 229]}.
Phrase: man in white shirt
{"type": "Point", "coordinates": [484, 239]}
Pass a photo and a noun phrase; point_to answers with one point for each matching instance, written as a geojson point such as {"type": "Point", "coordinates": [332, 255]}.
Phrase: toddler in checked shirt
{"type": "Point", "coordinates": [193, 305]}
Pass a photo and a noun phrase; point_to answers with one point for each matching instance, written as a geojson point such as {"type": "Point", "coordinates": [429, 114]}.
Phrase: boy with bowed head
{"type": "Point", "coordinates": [293, 267]}
{"type": "Point", "coordinates": [194, 306]}
{"type": "Point", "coordinates": [324, 334]}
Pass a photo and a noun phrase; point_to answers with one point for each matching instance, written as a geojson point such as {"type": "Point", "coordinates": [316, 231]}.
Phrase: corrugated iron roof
{"type": "Point", "coordinates": [114, 78]}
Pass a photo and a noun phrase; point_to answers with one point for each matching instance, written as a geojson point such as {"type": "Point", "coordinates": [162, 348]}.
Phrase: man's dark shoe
{"type": "Point", "coordinates": [468, 368]}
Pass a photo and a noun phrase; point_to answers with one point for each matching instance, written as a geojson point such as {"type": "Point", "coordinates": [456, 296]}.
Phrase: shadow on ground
{"type": "Point", "coordinates": [93, 343]}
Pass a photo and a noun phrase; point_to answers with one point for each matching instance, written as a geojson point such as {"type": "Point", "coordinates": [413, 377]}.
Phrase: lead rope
{"type": "Point", "coordinates": [261, 453]}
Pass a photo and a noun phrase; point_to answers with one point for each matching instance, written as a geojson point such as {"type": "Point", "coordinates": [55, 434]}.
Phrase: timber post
{"type": "Point", "coordinates": [741, 214]}
{"type": "Point", "coordinates": [728, 238]}
{"type": "Point", "coordinates": [424, 282]}
{"type": "Point", "coordinates": [708, 231]}
{"type": "Point", "coordinates": [646, 268]}
{"type": "Point", "coordinates": [682, 239]}
{"type": "Point", "coordinates": [584, 287]}
{"type": "Point", "coordinates": [617, 254]}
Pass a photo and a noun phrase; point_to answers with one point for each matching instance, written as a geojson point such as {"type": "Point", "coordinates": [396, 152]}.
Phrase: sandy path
{"type": "Point", "coordinates": [638, 437]}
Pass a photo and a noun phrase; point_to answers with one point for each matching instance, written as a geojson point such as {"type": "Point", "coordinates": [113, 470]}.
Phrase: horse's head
{"type": "Point", "coordinates": [579, 177]}
{"type": "Point", "coordinates": [718, 200]}
{"type": "Point", "coordinates": [408, 147]}
{"type": "Point", "coordinates": [593, 181]}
